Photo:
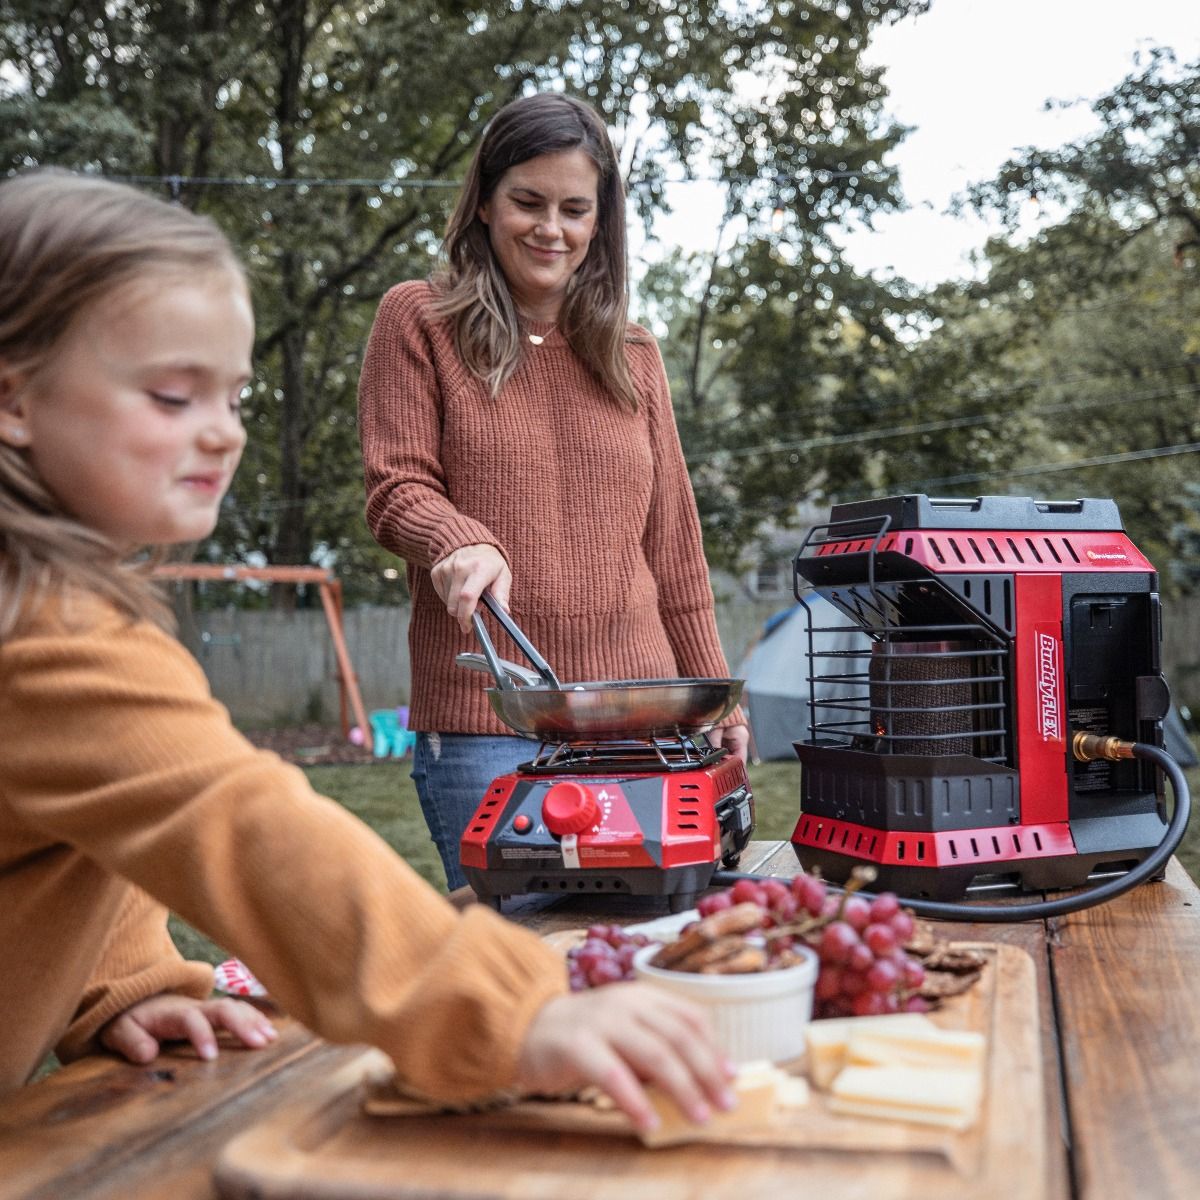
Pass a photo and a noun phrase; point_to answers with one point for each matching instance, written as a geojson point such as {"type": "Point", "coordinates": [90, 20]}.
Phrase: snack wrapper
{"type": "Point", "coordinates": [236, 979]}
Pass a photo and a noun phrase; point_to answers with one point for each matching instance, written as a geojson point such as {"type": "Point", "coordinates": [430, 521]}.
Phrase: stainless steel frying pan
{"type": "Point", "coordinates": [537, 705]}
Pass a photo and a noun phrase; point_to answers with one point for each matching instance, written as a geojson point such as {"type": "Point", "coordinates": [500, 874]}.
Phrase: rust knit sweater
{"type": "Point", "coordinates": [589, 503]}
{"type": "Point", "coordinates": [121, 779]}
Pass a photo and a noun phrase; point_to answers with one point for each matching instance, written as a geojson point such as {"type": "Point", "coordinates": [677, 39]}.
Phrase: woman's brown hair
{"type": "Point", "coordinates": [66, 243]}
{"type": "Point", "coordinates": [472, 287]}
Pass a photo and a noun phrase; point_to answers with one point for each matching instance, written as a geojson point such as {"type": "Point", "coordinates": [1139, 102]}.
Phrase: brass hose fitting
{"type": "Point", "coordinates": [1089, 746]}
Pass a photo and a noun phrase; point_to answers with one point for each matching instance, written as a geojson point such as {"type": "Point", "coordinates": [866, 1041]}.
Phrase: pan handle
{"type": "Point", "coordinates": [515, 632]}
{"type": "Point", "coordinates": [520, 675]}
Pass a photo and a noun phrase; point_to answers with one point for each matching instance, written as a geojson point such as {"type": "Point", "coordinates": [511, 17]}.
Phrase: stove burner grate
{"type": "Point", "coordinates": [681, 752]}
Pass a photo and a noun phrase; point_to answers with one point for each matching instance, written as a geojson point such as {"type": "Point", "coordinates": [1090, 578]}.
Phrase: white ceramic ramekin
{"type": "Point", "coordinates": [756, 1016]}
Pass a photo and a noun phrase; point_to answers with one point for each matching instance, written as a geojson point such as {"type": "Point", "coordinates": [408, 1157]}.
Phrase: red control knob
{"type": "Point", "coordinates": [569, 808]}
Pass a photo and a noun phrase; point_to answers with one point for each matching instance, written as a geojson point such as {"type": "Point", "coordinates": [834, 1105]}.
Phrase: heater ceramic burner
{"type": "Point", "coordinates": [989, 629]}
{"type": "Point", "coordinates": [642, 816]}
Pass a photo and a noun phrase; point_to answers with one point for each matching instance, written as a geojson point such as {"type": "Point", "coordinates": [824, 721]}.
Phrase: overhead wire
{"type": "Point", "coordinates": [1077, 464]}
{"type": "Point", "coordinates": [176, 182]}
{"type": "Point", "coordinates": [268, 507]}
{"type": "Point", "coordinates": [268, 182]}
{"type": "Point", "coordinates": [867, 435]}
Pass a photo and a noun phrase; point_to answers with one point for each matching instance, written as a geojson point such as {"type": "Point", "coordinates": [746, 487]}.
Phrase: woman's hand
{"type": "Point", "coordinates": [465, 574]}
{"type": "Point", "coordinates": [137, 1032]}
{"type": "Point", "coordinates": [735, 738]}
{"type": "Point", "coordinates": [620, 1037]}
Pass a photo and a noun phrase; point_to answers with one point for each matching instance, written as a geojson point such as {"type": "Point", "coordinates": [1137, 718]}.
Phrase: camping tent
{"type": "Point", "coordinates": [776, 671]}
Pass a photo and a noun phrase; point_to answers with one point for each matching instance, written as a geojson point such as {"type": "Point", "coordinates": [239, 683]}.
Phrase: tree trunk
{"type": "Point", "coordinates": [291, 538]}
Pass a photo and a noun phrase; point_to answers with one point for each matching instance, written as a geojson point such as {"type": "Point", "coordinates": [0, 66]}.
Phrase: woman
{"type": "Point", "coordinates": [518, 437]}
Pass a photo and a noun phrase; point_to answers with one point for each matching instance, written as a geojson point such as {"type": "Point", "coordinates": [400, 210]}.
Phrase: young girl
{"type": "Point", "coordinates": [125, 339]}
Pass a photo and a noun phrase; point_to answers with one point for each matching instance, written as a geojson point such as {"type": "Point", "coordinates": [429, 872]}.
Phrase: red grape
{"type": "Point", "coordinates": [856, 912]}
{"type": "Point", "coordinates": [860, 957]}
{"type": "Point", "coordinates": [829, 983]}
{"type": "Point", "coordinates": [902, 926]}
{"type": "Point", "coordinates": [713, 902]}
{"type": "Point", "coordinates": [605, 956]}
{"type": "Point", "coordinates": [837, 940]}
{"type": "Point", "coordinates": [746, 891]}
{"type": "Point", "coordinates": [607, 970]}
{"type": "Point", "coordinates": [880, 938]}
{"type": "Point", "coordinates": [854, 983]}
{"type": "Point", "coordinates": [868, 1004]}
{"type": "Point", "coordinates": [883, 975]}
{"type": "Point", "coordinates": [863, 967]}
{"type": "Point", "coordinates": [810, 892]}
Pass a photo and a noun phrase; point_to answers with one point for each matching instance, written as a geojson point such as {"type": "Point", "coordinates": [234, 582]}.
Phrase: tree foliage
{"type": "Point", "coordinates": [780, 352]}
{"type": "Point", "coordinates": [1103, 309]}
{"type": "Point", "coordinates": [389, 96]}
{"type": "Point", "coordinates": [294, 93]}
{"type": "Point", "coordinates": [1069, 368]}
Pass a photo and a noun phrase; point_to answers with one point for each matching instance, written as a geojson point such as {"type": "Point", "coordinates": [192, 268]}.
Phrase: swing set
{"type": "Point", "coordinates": [329, 588]}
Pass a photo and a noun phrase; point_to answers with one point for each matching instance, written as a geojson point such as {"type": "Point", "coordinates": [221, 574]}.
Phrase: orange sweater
{"type": "Point", "coordinates": [121, 779]}
{"type": "Point", "coordinates": [589, 503]}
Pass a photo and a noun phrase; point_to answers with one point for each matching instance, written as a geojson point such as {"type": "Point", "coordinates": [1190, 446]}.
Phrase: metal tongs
{"type": "Point", "coordinates": [508, 675]}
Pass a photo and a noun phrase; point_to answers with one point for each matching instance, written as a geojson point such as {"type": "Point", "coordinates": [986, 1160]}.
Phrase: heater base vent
{"type": "Point", "coordinates": [945, 865]}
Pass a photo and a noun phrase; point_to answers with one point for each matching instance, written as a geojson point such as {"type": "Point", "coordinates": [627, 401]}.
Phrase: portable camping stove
{"type": "Point", "coordinates": [994, 629]}
{"type": "Point", "coordinates": [643, 816]}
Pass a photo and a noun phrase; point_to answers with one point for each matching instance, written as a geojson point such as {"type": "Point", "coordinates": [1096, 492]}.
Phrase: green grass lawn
{"type": "Point", "coordinates": [382, 795]}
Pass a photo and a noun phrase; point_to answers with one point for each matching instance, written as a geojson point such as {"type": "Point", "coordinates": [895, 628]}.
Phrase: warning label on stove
{"type": "Point", "coordinates": [528, 852]}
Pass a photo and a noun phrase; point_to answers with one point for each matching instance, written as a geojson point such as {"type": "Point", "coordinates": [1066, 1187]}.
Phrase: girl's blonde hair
{"type": "Point", "coordinates": [472, 287]}
{"type": "Point", "coordinates": [66, 242]}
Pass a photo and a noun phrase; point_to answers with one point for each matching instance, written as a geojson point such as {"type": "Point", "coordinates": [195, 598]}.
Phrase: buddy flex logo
{"type": "Point", "coordinates": [1049, 712]}
{"type": "Point", "coordinates": [1107, 554]}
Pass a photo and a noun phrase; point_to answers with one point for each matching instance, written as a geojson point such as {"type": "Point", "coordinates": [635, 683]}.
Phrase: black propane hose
{"type": "Point", "coordinates": [1086, 746]}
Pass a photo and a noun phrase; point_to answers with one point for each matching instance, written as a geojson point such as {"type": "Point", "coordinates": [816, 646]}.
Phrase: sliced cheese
{"type": "Point", "coordinates": [827, 1040]}
{"type": "Point", "coordinates": [949, 1098]}
{"type": "Point", "coordinates": [930, 1047]}
{"type": "Point", "coordinates": [760, 1087]}
{"type": "Point", "coordinates": [792, 1092]}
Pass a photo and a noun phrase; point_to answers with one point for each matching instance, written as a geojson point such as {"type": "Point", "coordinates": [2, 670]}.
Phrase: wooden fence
{"type": "Point", "coordinates": [276, 668]}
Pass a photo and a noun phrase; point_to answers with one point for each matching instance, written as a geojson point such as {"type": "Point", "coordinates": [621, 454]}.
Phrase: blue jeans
{"type": "Point", "coordinates": [452, 772]}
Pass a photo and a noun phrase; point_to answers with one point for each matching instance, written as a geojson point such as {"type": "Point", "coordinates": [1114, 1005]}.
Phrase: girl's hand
{"type": "Point", "coordinates": [735, 738]}
{"type": "Point", "coordinates": [465, 574]}
{"type": "Point", "coordinates": [137, 1032]}
{"type": "Point", "coordinates": [619, 1037]}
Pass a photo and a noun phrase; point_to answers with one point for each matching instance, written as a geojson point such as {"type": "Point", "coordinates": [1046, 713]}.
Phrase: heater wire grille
{"type": "Point", "coordinates": [931, 689]}
{"type": "Point", "coordinates": [911, 687]}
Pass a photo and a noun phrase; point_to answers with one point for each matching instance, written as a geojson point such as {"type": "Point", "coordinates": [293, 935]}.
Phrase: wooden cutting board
{"type": "Point", "coordinates": [326, 1145]}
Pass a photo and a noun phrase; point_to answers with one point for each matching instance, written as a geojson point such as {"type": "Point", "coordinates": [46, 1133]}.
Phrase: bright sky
{"type": "Point", "coordinates": [972, 77]}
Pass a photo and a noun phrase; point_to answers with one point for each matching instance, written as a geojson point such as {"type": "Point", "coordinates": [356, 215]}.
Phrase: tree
{"type": "Point", "coordinates": [1102, 307]}
{"type": "Point", "coordinates": [780, 353]}
{"type": "Point", "coordinates": [1137, 173]}
{"type": "Point", "coordinates": [389, 97]}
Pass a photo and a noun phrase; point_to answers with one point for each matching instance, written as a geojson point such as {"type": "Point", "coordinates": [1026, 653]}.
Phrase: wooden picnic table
{"type": "Point", "coordinates": [1118, 1000]}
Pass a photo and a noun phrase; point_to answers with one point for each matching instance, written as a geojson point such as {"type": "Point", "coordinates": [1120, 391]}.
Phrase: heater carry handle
{"type": "Point", "coordinates": [876, 528]}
